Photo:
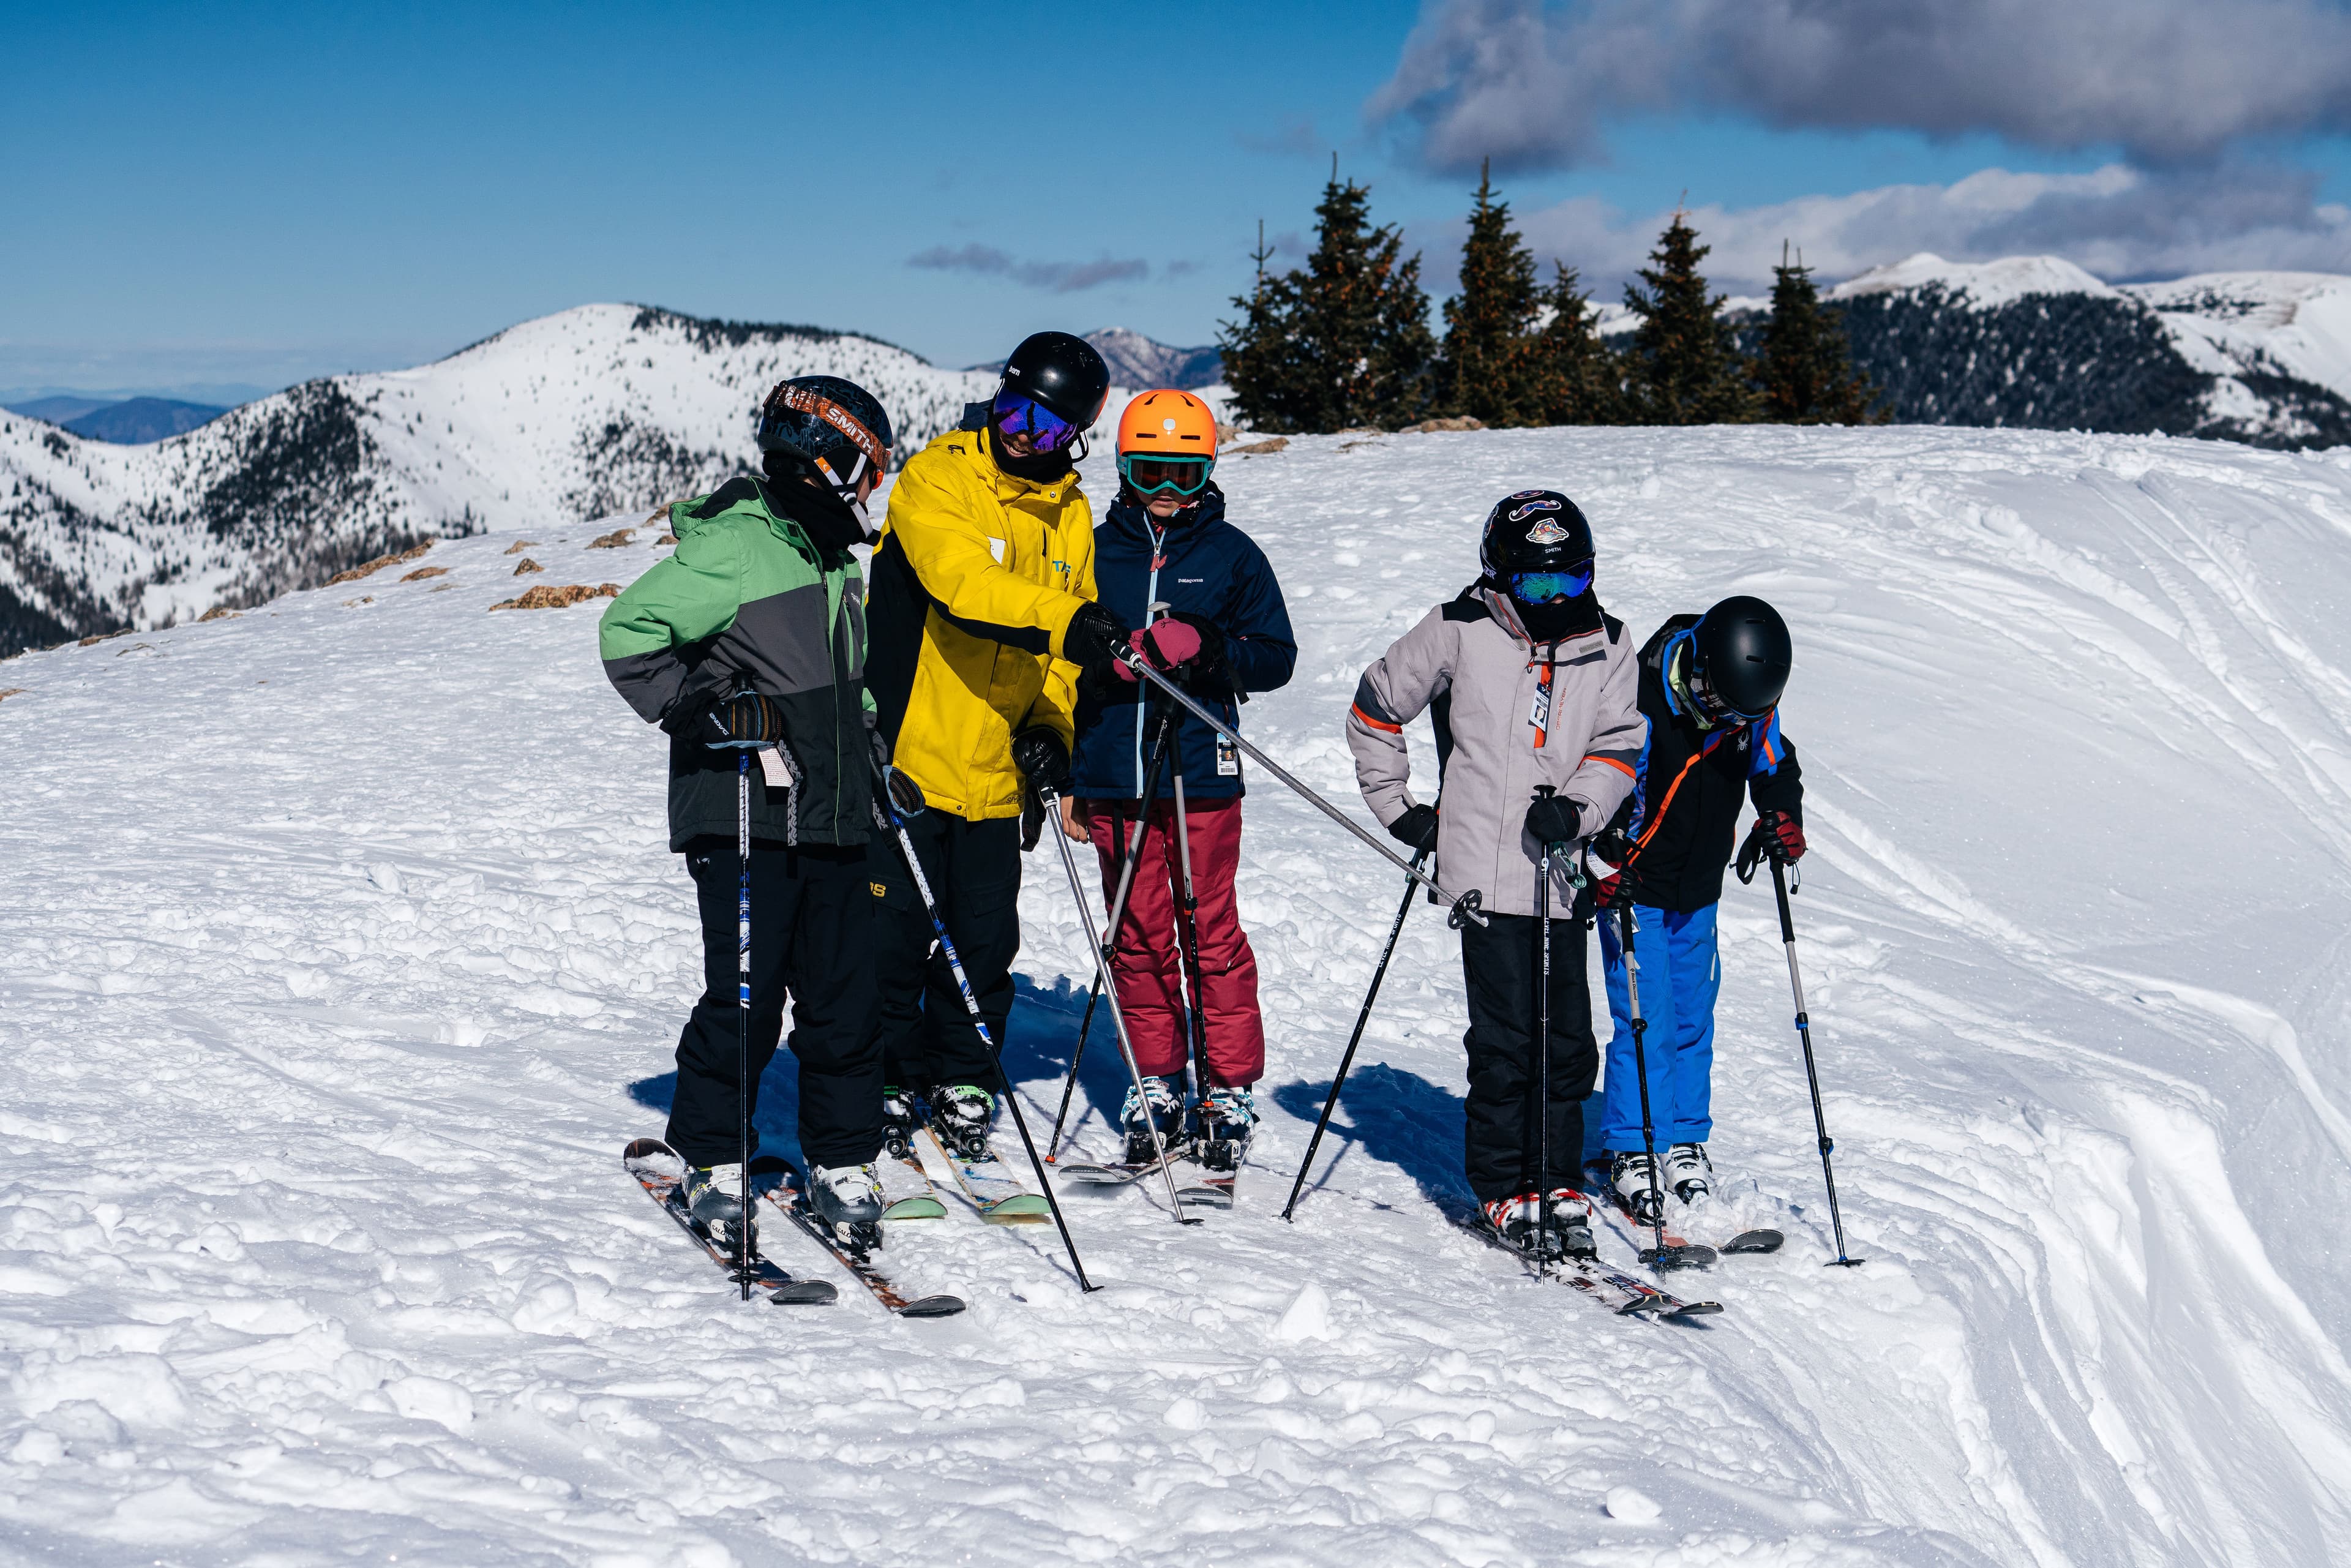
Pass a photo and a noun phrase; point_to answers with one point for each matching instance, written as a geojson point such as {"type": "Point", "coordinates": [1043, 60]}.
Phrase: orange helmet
{"type": "Point", "coordinates": [1168, 431]}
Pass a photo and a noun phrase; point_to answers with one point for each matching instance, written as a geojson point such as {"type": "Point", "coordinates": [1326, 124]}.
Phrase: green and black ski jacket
{"type": "Point", "coordinates": [750, 600]}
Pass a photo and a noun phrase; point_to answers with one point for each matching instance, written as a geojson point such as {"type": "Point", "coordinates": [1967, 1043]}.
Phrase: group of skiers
{"type": "Point", "coordinates": [980, 690]}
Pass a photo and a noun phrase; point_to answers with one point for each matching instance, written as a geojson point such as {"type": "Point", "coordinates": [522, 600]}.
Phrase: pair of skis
{"type": "Point", "coordinates": [777, 1181]}
{"type": "Point", "coordinates": [1217, 1187]}
{"type": "Point", "coordinates": [1680, 1251]}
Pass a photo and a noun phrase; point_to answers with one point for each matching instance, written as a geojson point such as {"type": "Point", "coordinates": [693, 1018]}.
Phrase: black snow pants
{"type": "Point", "coordinates": [811, 929]}
{"type": "Point", "coordinates": [1498, 962]}
{"type": "Point", "coordinates": [974, 870]}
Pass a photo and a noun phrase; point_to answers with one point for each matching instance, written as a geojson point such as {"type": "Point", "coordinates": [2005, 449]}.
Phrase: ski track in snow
{"type": "Point", "coordinates": [340, 953]}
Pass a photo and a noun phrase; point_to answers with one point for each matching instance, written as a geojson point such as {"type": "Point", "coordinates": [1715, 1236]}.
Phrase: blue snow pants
{"type": "Point", "coordinates": [1680, 974]}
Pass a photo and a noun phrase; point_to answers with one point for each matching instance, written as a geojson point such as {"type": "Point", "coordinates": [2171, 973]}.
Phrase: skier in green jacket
{"type": "Point", "coordinates": [752, 635]}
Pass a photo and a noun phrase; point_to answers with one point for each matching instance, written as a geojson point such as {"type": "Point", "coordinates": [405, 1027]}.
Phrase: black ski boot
{"type": "Point", "coordinates": [1228, 1117]}
{"type": "Point", "coordinates": [960, 1116]}
{"type": "Point", "coordinates": [1166, 1103]}
{"type": "Point", "coordinates": [714, 1198]}
{"type": "Point", "coordinates": [901, 1114]}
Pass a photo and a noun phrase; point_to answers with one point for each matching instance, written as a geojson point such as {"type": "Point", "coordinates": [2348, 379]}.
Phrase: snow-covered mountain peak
{"type": "Point", "coordinates": [1985, 283]}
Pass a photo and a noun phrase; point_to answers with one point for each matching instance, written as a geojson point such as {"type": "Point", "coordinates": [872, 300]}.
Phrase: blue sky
{"type": "Point", "coordinates": [245, 195]}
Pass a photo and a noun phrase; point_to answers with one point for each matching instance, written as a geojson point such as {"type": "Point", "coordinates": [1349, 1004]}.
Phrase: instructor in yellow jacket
{"type": "Point", "coordinates": [981, 620]}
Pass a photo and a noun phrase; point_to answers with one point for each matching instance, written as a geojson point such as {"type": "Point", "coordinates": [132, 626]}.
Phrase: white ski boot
{"type": "Point", "coordinates": [1517, 1220]}
{"type": "Point", "coordinates": [1160, 1106]}
{"type": "Point", "coordinates": [1688, 1172]}
{"type": "Point", "coordinates": [1631, 1177]}
{"type": "Point", "coordinates": [846, 1196]}
{"type": "Point", "coordinates": [714, 1198]}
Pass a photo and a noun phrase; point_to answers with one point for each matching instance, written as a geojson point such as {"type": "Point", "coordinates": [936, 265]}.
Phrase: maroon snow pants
{"type": "Point", "coordinates": [1148, 969]}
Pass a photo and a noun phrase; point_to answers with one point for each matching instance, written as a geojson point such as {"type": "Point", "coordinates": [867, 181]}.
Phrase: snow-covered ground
{"type": "Point", "coordinates": [340, 955]}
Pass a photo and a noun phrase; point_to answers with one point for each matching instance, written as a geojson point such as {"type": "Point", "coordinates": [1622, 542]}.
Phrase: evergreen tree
{"type": "Point", "coordinates": [1491, 370]}
{"type": "Point", "coordinates": [1806, 369]}
{"type": "Point", "coordinates": [1579, 380]}
{"type": "Point", "coordinates": [1683, 367]}
{"type": "Point", "coordinates": [1345, 341]}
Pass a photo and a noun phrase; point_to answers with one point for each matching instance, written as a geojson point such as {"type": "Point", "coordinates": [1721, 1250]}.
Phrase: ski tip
{"type": "Point", "coordinates": [804, 1293]}
{"type": "Point", "coordinates": [1750, 1242]}
{"type": "Point", "coordinates": [1692, 1310]}
{"type": "Point", "coordinates": [1688, 1255]}
{"type": "Point", "coordinates": [932, 1307]}
{"type": "Point", "coordinates": [1202, 1197]}
{"type": "Point", "coordinates": [647, 1149]}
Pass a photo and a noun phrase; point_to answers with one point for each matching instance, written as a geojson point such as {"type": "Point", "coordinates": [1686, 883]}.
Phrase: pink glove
{"type": "Point", "coordinates": [1165, 647]}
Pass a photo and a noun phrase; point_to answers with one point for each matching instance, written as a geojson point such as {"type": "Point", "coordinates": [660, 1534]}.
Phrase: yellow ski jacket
{"type": "Point", "coordinates": [975, 580]}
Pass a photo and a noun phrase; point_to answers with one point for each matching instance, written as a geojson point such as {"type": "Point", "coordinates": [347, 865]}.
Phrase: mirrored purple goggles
{"type": "Point", "coordinates": [1542, 587]}
{"type": "Point", "coordinates": [1018, 415]}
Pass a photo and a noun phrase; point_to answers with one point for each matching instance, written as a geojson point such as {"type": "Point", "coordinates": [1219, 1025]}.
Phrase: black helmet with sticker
{"type": "Point", "coordinates": [1534, 531]}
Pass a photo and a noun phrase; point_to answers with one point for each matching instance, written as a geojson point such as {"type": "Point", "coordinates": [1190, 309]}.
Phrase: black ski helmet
{"type": "Point", "coordinates": [1740, 658]}
{"type": "Point", "coordinates": [827, 428]}
{"type": "Point", "coordinates": [1534, 531]}
{"type": "Point", "coordinates": [1063, 372]}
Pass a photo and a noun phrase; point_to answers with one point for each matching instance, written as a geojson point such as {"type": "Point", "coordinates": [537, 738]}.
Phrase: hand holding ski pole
{"type": "Point", "coordinates": [1464, 908]}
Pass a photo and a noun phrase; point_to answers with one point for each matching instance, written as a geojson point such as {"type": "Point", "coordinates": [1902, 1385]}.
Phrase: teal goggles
{"type": "Point", "coordinates": [1150, 475]}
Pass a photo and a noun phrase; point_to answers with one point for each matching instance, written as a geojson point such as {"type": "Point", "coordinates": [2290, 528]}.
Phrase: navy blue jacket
{"type": "Point", "coordinates": [1204, 565]}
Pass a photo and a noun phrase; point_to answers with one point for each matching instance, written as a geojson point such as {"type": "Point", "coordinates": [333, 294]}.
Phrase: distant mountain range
{"type": "Point", "coordinates": [2258, 357]}
{"type": "Point", "coordinates": [603, 409]}
{"type": "Point", "coordinates": [128, 422]}
{"type": "Point", "coordinates": [1135, 361]}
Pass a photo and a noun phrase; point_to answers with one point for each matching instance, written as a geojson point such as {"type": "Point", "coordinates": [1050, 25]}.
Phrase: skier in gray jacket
{"type": "Point", "coordinates": [1532, 684]}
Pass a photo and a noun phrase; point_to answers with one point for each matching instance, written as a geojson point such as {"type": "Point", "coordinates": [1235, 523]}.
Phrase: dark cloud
{"type": "Point", "coordinates": [2170, 82]}
{"type": "Point", "coordinates": [1059, 276]}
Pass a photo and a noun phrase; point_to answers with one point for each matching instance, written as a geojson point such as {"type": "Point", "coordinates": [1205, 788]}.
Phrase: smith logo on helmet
{"type": "Point", "coordinates": [1548, 504]}
{"type": "Point", "coordinates": [1546, 532]}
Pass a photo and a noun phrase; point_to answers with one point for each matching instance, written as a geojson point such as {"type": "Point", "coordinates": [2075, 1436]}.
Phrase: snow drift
{"type": "Point", "coordinates": [342, 955]}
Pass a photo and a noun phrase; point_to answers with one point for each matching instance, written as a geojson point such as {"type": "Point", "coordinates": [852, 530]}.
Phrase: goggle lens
{"type": "Point", "coordinates": [1541, 586]}
{"type": "Point", "coordinates": [1150, 475]}
{"type": "Point", "coordinates": [1047, 431]}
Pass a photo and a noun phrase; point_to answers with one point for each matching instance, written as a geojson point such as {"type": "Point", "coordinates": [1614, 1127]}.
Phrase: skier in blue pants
{"type": "Point", "coordinates": [1710, 687]}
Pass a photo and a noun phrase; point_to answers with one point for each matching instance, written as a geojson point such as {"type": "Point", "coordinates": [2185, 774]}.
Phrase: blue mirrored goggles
{"type": "Point", "coordinates": [1018, 415]}
{"type": "Point", "coordinates": [1150, 475]}
{"type": "Point", "coordinates": [1542, 587]}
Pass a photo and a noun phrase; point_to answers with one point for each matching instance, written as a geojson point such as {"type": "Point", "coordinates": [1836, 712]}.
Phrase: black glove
{"type": "Point", "coordinates": [1552, 820]}
{"type": "Point", "coordinates": [1094, 638]}
{"type": "Point", "coordinates": [1043, 759]}
{"type": "Point", "coordinates": [1209, 673]}
{"type": "Point", "coordinates": [1416, 829]}
{"type": "Point", "coordinates": [900, 793]}
{"type": "Point", "coordinates": [746, 720]}
{"type": "Point", "coordinates": [1603, 862]}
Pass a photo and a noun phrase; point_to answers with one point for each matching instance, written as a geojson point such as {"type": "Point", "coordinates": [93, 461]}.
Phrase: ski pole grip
{"type": "Point", "coordinates": [1779, 891]}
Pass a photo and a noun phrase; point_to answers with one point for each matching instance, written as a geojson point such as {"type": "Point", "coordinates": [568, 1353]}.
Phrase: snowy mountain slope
{"type": "Point", "coordinates": [2260, 356]}
{"type": "Point", "coordinates": [606, 408]}
{"type": "Point", "coordinates": [342, 955]}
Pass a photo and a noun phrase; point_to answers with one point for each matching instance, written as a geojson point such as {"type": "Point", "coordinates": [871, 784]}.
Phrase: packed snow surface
{"type": "Point", "coordinates": [342, 955]}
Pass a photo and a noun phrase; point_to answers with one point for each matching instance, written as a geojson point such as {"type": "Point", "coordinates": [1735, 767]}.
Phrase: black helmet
{"type": "Point", "coordinates": [1534, 531]}
{"type": "Point", "coordinates": [1064, 372]}
{"type": "Point", "coordinates": [826, 428]}
{"type": "Point", "coordinates": [1741, 654]}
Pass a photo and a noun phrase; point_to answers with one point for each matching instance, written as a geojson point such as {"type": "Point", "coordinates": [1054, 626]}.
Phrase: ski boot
{"type": "Point", "coordinates": [849, 1199]}
{"type": "Point", "coordinates": [960, 1116]}
{"type": "Point", "coordinates": [1631, 1177]}
{"type": "Point", "coordinates": [1166, 1118]}
{"type": "Point", "coordinates": [1571, 1224]}
{"type": "Point", "coordinates": [901, 1114]}
{"type": "Point", "coordinates": [1228, 1116]}
{"type": "Point", "coordinates": [1688, 1172]}
{"type": "Point", "coordinates": [714, 1199]}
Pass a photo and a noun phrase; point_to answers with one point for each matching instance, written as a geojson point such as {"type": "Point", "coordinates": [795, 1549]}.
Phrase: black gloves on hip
{"type": "Point", "coordinates": [1416, 829]}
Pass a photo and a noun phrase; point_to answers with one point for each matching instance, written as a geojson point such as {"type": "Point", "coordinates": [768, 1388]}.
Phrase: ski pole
{"type": "Point", "coordinates": [891, 822]}
{"type": "Point", "coordinates": [743, 1009]}
{"type": "Point", "coordinates": [1664, 1257]}
{"type": "Point", "coordinates": [1542, 1050]}
{"type": "Point", "coordinates": [1117, 913]}
{"type": "Point", "coordinates": [1187, 947]}
{"type": "Point", "coordinates": [1811, 1077]}
{"type": "Point", "coordinates": [1466, 908]}
{"type": "Point", "coordinates": [1052, 802]}
{"type": "Point", "coordinates": [1330, 1102]}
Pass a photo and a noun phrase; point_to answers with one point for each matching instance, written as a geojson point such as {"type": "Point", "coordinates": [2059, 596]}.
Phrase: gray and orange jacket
{"type": "Point", "coordinates": [1690, 781]}
{"type": "Point", "coordinates": [750, 600]}
{"type": "Point", "coordinates": [1510, 714]}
